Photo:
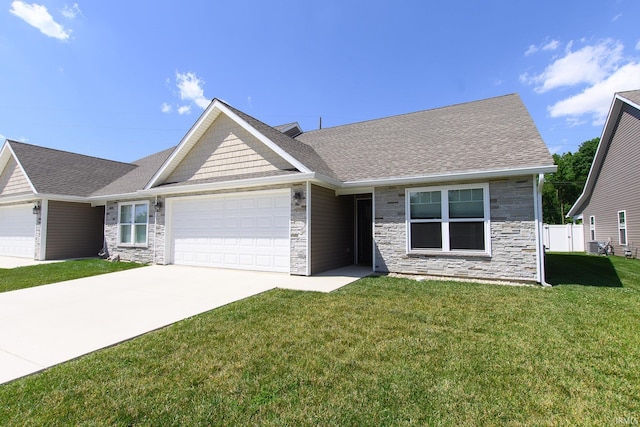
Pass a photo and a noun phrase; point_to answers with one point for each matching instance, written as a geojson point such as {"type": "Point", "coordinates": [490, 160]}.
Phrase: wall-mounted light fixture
{"type": "Point", "coordinates": [157, 205]}
{"type": "Point", "coordinates": [297, 196]}
{"type": "Point", "coordinates": [36, 208]}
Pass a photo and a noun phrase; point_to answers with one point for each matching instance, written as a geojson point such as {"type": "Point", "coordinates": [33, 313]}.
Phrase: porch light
{"type": "Point", "coordinates": [36, 208]}
{"type": "Point", "coordinates": [297, 196]}
{"type": "Point", "coordinates": [157, 205]}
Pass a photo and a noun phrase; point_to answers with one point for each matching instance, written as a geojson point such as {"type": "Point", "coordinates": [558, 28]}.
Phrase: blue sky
{"type": "Point", "coordinates": [124, 79]}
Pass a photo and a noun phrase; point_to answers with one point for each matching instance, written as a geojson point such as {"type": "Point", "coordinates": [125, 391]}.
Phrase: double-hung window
{"type": "Point", "coordinates": [133, 221]}
{"type": "Point", "coordinates": [622, 227]}
{"type": "Point", "coordinates": [448, 219]}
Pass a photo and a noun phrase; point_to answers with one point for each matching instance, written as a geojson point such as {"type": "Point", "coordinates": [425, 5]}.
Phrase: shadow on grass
{"type": "Point", "coordinates": [580, 269]}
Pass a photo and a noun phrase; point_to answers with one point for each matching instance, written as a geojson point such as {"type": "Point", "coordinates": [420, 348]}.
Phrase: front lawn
{"type": "Point", "coordinates": [42, 274]}
{"type": "Point", "coordinates": [381, 351]}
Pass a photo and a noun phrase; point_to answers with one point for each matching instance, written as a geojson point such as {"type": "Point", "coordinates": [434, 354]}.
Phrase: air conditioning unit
{"type": "Point", "coordinates": [592, 247]}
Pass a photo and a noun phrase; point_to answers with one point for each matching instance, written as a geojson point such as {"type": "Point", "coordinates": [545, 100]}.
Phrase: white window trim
{"type": "Point", "coordinates": [592, 227]}
{"type": "Point", "coordinates": [622, 227]}
{"type": "Point", "coordinates": [133, 245]}
{"type": "Point", "coordinates": [445, 220]}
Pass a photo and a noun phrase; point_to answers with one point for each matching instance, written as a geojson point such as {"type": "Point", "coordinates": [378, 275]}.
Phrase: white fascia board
{"type": "Point", "coordinates": [223, 185]}
{"type": "Point", "coordinates": [19, 198]}
{"type": "Point", "coordinates": [64, 198]}
{"type": "Point", "coordinates": [5, 160]}
{"type": "Point", "coordinates": [464, 176]}
{"type": "Point", "coordinates": [275, 147]}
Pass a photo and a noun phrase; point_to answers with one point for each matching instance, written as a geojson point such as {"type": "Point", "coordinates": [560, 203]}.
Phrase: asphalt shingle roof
{"type": "Point", "coordinates": [496, 133]}
{"type": "Point", "coordinates": [632, 95]}
{"type": "Point", "coordinates": [138, 177]}
{"type": "Point", "coordinates": [492, 134]}
{"type": "Point", "coordinates": [303, 153]}
{"type": "Point", "coordinates": [60, 172]}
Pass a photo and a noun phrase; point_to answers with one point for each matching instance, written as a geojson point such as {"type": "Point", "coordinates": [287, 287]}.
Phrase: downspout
{"type": "Point", "coordinates": [539, 227]}
{"type": "Point", "coordinates": [155, 224]}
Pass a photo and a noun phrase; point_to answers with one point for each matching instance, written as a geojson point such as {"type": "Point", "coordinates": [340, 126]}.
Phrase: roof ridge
{"type": "Point", "coordinates": [11, 141]}
{"type": "Point", "coordinates": [412, 113]}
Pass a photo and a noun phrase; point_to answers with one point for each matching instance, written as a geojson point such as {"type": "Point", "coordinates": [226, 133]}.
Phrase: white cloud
{"type": "Point", "coordinates": [638, 45]}
{"type": "Point", "coordinates": [2, 138]}
{"type": "Point", "coordinates": [615, 18]}
{"type": "Point", "coordinates": [596, 99]}
{"type": "Point", "coordinates": [70, 12]}
{"type": "Point", "coordinates": [39, 17]}
{"type": "Point", "coordinates": [532, 49]}
{"type": "Point", "coordinates": [589, 65]}
{"type": "Point", "coordinates": [552, 45]}
{"type": "Point", "coordinates": [190, 87]}
{"type": "Point", "coordinates": [555, 150]}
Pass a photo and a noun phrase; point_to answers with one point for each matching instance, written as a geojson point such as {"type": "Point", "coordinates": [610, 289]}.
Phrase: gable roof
{"type": "Point", "coordinates": [631, 98]}
{"type": "Point", "coordinates": [476, 140]}
{"type": "Point", "coordinates": [56, 172]}
{"type": "Point", "coordinates": [302, 157]}
{"type": "Point", "coordinates": [495, 134]}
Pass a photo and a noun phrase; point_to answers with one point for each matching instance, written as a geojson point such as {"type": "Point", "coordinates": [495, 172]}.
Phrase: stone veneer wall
{"type": "Point", "coordinates": [156, 239]}
{"type": "Point", "coordinates": [513, 240]}
{"type": "Point", "coordinates": [155, 235]}
{"type": "Point", "coordinates": [299, 224]}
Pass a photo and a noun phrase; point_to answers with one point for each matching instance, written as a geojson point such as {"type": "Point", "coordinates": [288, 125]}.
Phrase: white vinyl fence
{"type": "Point", "coordinates": [564, 238]}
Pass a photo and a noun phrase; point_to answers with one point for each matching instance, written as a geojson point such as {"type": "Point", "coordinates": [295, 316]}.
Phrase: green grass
{"type": "Point", "coordinates": [42, 274]}
{"type": "Point", "coordinates": [381, 351]}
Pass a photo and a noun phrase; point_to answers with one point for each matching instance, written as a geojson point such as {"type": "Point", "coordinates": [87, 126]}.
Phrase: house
{"type": "Point", "coordinates": [44, 208]}
{"type": "Point", "coordinates": [610, 201]}
{"type": "Point", "coordinates": [451, 191]}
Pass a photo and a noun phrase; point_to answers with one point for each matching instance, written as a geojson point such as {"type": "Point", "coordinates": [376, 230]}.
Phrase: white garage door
{"type": "Point", "coordinates": [17, 231]}
{"type": "Point", "coordinates": [249, 231]}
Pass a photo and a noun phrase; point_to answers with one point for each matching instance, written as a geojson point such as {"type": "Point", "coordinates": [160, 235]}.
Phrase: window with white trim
{"type": "Point", "coordinates": [133, 219]}
{"type": "Point", "coordinates": [622, 228]}
{"type": "Point", "coordinates": [448, 219]}
{"type": "Point", "coordinates": [592, 227]}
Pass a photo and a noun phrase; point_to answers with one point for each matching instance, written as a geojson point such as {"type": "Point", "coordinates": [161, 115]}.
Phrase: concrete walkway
{"type": "Point", "coordinates": [47, 325]}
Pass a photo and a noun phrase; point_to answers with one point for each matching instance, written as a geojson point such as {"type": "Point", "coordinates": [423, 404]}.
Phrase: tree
{"type": "Point", "coordinates": [562, 189]}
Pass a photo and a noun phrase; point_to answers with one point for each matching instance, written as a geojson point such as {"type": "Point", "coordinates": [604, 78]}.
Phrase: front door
{"type": "Point", "coordinates": [364, 232]}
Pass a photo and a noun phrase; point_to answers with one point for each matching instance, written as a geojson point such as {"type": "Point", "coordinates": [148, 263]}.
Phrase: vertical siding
{"type": "Point", "coordinates": [74, 230]}
{"type": "Point", "coordinates": [12, 180]}
{"type": "Point", "coordinates": [332, 223]}
{"type": "Point", "coordinates": [618, 185]}
{"type": "Point", "coordinates": [226, 149]}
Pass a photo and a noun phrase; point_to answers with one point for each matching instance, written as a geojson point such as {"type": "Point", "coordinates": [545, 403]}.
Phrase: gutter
{"type": "Point", "coordinates": [473, 175]}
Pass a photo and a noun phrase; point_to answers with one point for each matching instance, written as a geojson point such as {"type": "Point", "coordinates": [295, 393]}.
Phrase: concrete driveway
{"type": "Point", "coordinates": [46, 325]}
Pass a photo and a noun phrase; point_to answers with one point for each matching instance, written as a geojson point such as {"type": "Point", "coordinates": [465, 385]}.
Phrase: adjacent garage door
{"type": "Point", "coordinates": [248, 231]}
{"type": "Point", "coordinates": [17, 231]}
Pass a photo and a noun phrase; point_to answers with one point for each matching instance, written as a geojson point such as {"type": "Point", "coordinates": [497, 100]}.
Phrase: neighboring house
{"type": "Point", "coordinates": [451, 191]}
{"type": "Point", "coordinates": [610, 202]}
{"type": "Point", "coordinates": [44, 208]}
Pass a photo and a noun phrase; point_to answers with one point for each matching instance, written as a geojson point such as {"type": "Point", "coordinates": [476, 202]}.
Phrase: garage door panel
{"type": "Point", "coordinates": [245, 232]}
{"type": "Point", "coordinates": [17, 231]}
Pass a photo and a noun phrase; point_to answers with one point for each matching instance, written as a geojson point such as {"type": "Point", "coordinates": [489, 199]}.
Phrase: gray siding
{"type": "Point", "coordinates": [74, 230]}
{"type": "Point", "coordinates": [618, 185]}
{"type": "Point", "coordinates": [332, 233]}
